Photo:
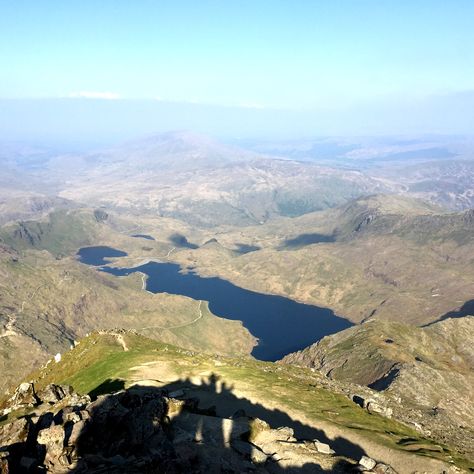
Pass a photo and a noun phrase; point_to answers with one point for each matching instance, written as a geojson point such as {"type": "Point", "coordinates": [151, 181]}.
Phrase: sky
{"type": "Point", "coordinates": [333, 67]}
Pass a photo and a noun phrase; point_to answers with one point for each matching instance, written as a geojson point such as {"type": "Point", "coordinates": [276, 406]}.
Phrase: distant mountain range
{"type": "Point", "coordinates": [207, 183]}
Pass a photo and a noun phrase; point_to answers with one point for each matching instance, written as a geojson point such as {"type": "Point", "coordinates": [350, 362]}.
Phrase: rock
{"type": "Point", "coordinates": [53, 393]}
{"type": "Point", "coordinates": [367, 463]}
{"type": "Point", "coordinates": [4, 463]}
{"type": "Point", "coordinates": [57, 358]}
{"type": "Point", "coordinates": [53, 440]}
{"type": "Point", "coordinates": [79, 400]}
{"type": "Point", "coordinates": [24, 396]}
{"type": "Point", "coordinates": [131, 431]}
{"type": "Point", "coordinates": [275, 457]}
{"type": "Point", "coordinates": [14, 432]}
{"type": "Point", "coordinates": [381, 468]}
{"type": "Point", "coordinates": [257, 456]}
{"type": "Point", "coordinates": [285, 433]}
{"type": "Point", "coordinates": [257, 426]}
{"type": "Point", "coordinates": [52, 435]}
{"type": "Point", "coordinates": [374, 407]}
{"type": "Point", "coordinates": [73, 417]}
{"type": "Point", "coordinates": [262, 435]}
{"type": "Point", "coordinates": [174, 407]}
{"type": "Point", "coordinates": [323, 448]}
{"type": "Point", "coordinates": [77, 430]}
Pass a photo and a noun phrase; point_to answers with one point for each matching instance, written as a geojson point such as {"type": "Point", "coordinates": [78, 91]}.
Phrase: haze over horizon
{"type": "Point", "coordinates": [107, 71]}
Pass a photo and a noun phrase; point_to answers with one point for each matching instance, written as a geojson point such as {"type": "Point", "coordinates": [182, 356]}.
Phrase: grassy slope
{"type": "Point", "coordinates": [99, 359]}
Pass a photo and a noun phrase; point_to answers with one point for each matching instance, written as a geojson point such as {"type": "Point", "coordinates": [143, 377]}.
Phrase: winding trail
{"type": "Point", "coordinates": [199, 316]}
{"type": "Point", "coordinates": [170, 252]}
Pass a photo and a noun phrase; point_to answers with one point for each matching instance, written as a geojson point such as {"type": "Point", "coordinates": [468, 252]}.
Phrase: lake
{"type": "Point", "coordinates": [143, 236]}
{"type": "Point", "coordinates": [281, 324]}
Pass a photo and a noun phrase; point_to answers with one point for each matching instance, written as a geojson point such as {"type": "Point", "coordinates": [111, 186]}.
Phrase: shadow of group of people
{"type": "Point", "coordinates": [183, 426]}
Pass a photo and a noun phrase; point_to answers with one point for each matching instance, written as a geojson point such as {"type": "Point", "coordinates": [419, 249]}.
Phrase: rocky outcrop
{"type": "Point", "coordinates": [144, 429]}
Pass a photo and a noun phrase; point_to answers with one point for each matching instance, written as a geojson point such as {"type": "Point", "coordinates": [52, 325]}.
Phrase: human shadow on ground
{"type": "Point", "coordinates": [185, 426]}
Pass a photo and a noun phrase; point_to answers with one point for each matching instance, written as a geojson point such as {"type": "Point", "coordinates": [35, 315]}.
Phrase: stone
{"type": "Point", "coordinates": [285, 433]}
{"type": "Point", "coordinates": [76, 431]}
{"type": "Point", "coordinates": [73, 417]}
{"type": "Point", "coordinates": [14, 432]}
{"type": "Point", "coordinates": [53, 393]}
{"type": "Point", "coordinates": [257, 456]}
{"type": "Point", "coordinates": [174, 407]}
{"type": "Point", "coordinates": [24, 396]}
{"type": "Point", "coordinates": [323, 448]}
{"type": "Point", "coordinates": [275, 457]}
{"type": "Point", "coordinates": [374, 407]}
{"type": "Point", "coordinates": [53, 440]}
{"type": "Point", "coordinates": [259, 425]}
{"type": "Point", "coordinates": [381, 468]}
{"type": "Point", "coordinates": [52, 435]}
{"type": "Point", "coordinates": [367, 463]}
{"type": "Point", "coordinates": [4, 464]}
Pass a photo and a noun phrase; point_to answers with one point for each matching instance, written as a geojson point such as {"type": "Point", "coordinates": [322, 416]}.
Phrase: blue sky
{"type": "Point", "coordinates": [326, 56]}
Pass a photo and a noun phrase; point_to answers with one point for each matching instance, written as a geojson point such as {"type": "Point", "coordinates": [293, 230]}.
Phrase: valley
{"type": "Point", "coordinates": [226, 252]}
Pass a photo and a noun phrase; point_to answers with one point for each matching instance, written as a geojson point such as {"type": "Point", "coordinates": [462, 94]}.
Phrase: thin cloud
{"type": "Point", "coordinates": [94, 95]}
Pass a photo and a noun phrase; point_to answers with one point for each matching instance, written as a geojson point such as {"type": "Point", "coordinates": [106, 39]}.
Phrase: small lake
{"type": "Point", "coordinates": [98, 256]}
{"type": "Point", "coordinates": [143, 236]}
{"type": "Point", "coordinates": [282, 325]}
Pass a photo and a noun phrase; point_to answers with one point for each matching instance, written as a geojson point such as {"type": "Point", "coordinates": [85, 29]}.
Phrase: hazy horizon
{"type": "Point", "coordinates": [93, 72]}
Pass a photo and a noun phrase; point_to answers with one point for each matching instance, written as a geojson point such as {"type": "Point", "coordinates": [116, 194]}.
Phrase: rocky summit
{"type": "Point", "coordinates": [146, 429]}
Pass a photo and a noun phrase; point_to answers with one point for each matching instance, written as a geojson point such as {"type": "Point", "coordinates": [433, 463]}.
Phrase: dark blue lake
{"type": "Point", "coordinates": [98, 256]}
{"type": "Point", "coordinates": [143, 236]}
{"type": "Point", "coordinates": [282, 325]}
